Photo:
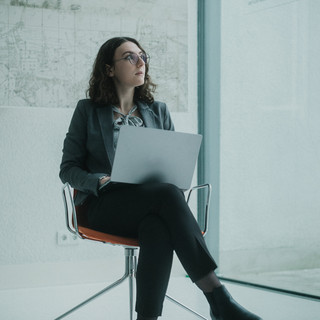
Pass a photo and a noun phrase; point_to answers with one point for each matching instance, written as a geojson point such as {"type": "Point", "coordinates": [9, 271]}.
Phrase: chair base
{"type": "Point", "coordinates": [130, 271]}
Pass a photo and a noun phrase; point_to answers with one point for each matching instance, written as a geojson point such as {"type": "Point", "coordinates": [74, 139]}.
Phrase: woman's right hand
{"type": "Point", "coordinates": [104, 179]}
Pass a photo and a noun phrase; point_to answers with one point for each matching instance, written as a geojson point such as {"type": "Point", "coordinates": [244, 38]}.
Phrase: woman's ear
{"type": "Point", "coordinates": [109, 70]}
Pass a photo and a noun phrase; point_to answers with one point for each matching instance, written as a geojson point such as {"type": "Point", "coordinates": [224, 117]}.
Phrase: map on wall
{"type": "Point", "coordinates": [47, 48]}
{"type": "Point", "coordinates": [254, 6]}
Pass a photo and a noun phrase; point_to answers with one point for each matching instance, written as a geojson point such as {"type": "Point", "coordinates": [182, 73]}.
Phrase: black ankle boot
{"type": "Point", "coordinates": [146, 318]}
{"type": "Point", "coordinates": [224, 307]}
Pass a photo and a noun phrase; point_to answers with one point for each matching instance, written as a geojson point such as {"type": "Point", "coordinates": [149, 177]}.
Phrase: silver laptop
{"type": "Point", "coordinates": [154, 155]}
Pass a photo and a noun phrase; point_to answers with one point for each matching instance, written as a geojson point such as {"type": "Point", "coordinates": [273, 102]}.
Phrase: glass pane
{"type": "Point", "coordinates": [270, 143]}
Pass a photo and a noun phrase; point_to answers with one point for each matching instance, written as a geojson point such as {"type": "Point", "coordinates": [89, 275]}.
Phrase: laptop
{"type": "Point", "coordinates": [153, 155]}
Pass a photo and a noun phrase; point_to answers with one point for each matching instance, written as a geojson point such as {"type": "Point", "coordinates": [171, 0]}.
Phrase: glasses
{"type": "Point", "coordinates": [133, 58]}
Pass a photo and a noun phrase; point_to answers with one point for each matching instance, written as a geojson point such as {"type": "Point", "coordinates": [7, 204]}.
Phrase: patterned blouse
{"type": "Point", "coordinates": [128, 119]}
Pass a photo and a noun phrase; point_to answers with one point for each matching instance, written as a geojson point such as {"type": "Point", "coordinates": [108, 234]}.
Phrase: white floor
{"type": "Point", "coordinates": [49, 302]}
{"type": "Point", "coordinates": [304, 280]}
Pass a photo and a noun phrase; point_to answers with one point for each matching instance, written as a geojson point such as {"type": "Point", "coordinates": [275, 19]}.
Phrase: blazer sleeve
{"type": "Point", "coordinates": [167, 124]}
{"type": "Point", "coordinates": [73, 165]}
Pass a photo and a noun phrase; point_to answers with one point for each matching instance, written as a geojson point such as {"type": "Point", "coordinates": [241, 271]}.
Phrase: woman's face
{"type": "Point", "coordinates": [124, 73]}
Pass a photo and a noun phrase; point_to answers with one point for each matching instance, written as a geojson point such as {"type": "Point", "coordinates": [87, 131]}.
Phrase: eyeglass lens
{"type": "Point", "coordinates": [134, 58]}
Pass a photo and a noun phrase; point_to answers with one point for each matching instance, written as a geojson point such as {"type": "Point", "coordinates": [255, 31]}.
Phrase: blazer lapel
{"type": "Point", "coordinates": [147, 114]}
{"type": "Point", "coordinates": [105, 116]}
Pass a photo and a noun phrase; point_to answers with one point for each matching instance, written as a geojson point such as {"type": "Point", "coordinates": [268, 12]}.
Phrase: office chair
{"type": "Point", "coordinates": [77, 224]}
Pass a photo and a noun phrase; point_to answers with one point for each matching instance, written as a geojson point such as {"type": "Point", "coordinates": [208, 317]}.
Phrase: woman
{"type": "Point", "coordinates": [121, 94]}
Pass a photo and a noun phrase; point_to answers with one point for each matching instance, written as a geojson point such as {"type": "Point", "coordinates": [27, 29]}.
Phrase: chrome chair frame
{"type": "Point", "coordinates": [130, 252]}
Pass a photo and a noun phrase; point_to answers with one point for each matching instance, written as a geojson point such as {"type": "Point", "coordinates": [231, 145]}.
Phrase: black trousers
{"type": "Point", "coordinates": [158, 215]}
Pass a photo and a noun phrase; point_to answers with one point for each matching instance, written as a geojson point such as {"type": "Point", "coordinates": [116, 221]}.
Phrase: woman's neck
{"type": "Point", "coordinates": [125, 100]}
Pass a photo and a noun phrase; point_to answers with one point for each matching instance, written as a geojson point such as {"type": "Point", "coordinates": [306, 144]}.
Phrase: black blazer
{"type": "Point", "coordinates": [88, 151]}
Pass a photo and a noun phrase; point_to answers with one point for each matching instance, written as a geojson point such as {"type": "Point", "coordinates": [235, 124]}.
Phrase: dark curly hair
{"type": "Point", "coordinates": [101, 87]}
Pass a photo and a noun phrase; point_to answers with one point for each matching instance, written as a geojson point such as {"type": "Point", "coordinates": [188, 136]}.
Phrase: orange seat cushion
{"type": "Point", "coordinates": [91, 234]}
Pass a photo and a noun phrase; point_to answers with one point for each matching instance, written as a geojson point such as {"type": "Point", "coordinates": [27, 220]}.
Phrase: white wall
{"type": "Point", "coordinates": [270, 136]}
{"type": "Point", "coordinates": [31, 203]}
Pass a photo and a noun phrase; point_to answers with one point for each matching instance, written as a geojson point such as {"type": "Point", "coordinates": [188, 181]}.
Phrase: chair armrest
{"type": "Point", "coordinates": [68, 198]}
{"type": "Point", "coordinates": [207, 206]}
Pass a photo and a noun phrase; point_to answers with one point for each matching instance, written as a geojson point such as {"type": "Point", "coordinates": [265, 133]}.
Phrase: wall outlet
{"type": "Point", "coordinates": [66, 238]}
